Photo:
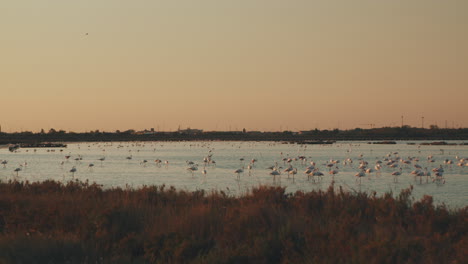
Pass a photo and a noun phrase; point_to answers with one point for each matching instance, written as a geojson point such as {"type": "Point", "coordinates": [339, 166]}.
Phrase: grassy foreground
{"type": "Point", "coordinates": [50, 222]}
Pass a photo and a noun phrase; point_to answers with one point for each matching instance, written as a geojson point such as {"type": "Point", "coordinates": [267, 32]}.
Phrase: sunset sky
{"type": "Point", "coordinates": [217, 65]}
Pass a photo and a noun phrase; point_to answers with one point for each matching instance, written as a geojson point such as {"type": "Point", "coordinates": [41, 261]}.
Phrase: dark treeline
{"type": "Point", "coordinates": [50, 222]}
{"type": "Point", "coordinates": [386, 133]}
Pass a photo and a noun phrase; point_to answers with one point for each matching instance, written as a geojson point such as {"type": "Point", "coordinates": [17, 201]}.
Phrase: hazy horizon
{"type": "Point", "coordinates": [218, 65]}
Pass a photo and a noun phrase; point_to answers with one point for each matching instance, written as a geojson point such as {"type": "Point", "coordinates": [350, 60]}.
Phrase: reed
{"type": "Point", "coordinates": [79, 222]}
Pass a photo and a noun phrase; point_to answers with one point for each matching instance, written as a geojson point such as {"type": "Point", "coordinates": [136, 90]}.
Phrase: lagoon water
{"type": "Point", "coordinates": [117, 171]}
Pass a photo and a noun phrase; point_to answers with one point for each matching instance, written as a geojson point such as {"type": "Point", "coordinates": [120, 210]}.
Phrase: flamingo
{"type": "Point", "coordinates": [439, 177]}
{"type": "Point", "coordinates": [427, 174]}
{"type": "Point", "coordinates": [293, 172]}
{"type": "Point", "coordinates": [239, 171]}
{"type": "Point", "coordinates": [395, 174]}
{"type": "Point", "coordinates": [287, 170]}
{"type": "Point", "coordinates": [249, 167]}
{"type": "Point", "coordinates": [192, 169]}
{"type": "Point", "coordinates": [415, 172]}
{"type": "Point", "coordinates": [377, 168]}
{"type": "Point", "coordinates": [275, 173]}
{"type": "Point", "coordinates": [17, 170]}
{"type": "Point", "coordinates": [420, 174]}
{"type": "Point", "coordinates": [333, 172]}
{"type": "Point", "coordinates": [440, 169]}
{"type": "Point", "coordinates": [360, 175]}
{"type": "Point", "coordinates": [73, 170]}
{"type": "Point", "coordinates": [317, 173]}
{"type": "Point", "coordinates": [308, 172]}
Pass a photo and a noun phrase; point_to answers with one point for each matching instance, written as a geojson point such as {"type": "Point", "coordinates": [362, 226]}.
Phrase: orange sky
{"type": "Point", "coordinates": [219, 65]}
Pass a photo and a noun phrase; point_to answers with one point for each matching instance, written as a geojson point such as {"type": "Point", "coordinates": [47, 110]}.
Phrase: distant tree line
{"type": "Point", "coordinates": [384, 133]}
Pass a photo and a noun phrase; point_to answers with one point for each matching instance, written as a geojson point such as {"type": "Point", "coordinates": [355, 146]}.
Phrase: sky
{"type": "Point", "coordinates": [264, 65]}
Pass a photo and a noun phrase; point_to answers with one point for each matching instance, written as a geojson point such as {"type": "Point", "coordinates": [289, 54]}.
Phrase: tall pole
{"type": "Point", "coordinates": [401, 121]}
{"type": "Point", "coordinates": [422, 121]}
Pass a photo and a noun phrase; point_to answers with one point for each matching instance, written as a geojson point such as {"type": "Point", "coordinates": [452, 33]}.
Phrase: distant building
{"type": "Point", "coordinates": [146, 132]}
{"type": "Point", "coordinates": [190, 131]}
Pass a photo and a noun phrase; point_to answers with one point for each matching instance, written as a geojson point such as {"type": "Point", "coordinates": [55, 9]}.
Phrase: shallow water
{"type": "Point", "coordinates": [118, 171]}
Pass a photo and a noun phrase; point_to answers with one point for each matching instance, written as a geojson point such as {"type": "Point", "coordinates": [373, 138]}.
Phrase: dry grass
{"type": "Point", "coordinates": [78, 222]}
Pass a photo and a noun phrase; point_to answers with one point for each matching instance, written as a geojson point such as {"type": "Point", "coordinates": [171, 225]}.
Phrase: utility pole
{"type": "Point", "coordinates": [445, 124]}
{"type": "Point", "coordinates": [422, 121]}
{"type": "Point", "coordinates": [401, 121]}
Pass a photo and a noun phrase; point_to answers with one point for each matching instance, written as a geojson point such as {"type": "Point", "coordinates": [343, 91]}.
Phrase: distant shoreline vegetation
{"type": "Point", "coordinates": [77, 222]}
{"type": "Point", "coordinates": [385, 133]}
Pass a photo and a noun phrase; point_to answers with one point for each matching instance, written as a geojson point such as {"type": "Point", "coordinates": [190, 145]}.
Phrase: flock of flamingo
{"type": "Point", "coordinates": [364, 168]}
{"type": "Point", "coordinates": [314, 171]}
